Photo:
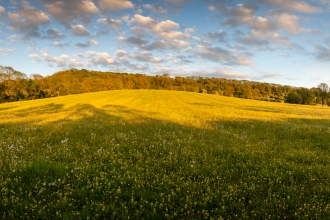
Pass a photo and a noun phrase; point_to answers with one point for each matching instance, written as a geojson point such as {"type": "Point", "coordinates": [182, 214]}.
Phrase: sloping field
{"type": "Point", "coordinates": [147, 154]}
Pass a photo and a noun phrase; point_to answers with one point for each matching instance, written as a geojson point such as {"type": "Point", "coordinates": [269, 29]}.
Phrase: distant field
{"type": "Point", "coordinates": [148, 154]}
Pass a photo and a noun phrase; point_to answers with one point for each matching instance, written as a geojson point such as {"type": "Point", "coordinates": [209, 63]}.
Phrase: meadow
{"type": "Point", "coordinates": [150, 154]}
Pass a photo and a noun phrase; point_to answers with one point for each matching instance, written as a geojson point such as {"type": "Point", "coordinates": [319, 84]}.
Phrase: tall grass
{"type": "Point", "coordinates": [163, 155]}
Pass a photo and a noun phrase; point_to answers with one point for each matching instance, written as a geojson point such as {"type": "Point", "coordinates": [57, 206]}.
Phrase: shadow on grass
{"type": "Point", "coordinates": [120, 108]}
{"type": "Point", "coordinates": [235, 169]}
{"type": "Point", "coordinates": [45, 109]}
{"type": "Point", "coordinates": [264, 109]}
{"type": "Point", "coordinates": [202, 104]}
{"type": "Point", "coordinates": [5, 108]}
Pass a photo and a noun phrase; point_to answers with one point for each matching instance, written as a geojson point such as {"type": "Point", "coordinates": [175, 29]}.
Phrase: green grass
{"type": "Point", "coordinates": [163, 155]}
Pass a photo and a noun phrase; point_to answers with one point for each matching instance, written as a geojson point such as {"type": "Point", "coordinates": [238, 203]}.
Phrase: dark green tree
{"type": "Point", "coordinates": [324, 89]}
{"type": "Point", "coordinates": [293, 98]}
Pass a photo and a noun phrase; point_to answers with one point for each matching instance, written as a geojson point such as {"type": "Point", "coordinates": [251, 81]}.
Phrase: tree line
{"type": "Point", "coordinates": [16, 86]}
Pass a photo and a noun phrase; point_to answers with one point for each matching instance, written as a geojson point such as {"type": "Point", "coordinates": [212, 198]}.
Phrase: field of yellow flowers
{"type": "Point", "coordinates": [148, 154]}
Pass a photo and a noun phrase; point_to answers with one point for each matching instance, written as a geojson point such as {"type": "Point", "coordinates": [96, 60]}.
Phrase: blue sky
{"type": "Point", "coordinates": [278, 41]}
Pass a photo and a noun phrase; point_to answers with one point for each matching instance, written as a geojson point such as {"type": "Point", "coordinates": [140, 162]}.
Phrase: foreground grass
{"type": "Point", "coordinates": [163, 155]}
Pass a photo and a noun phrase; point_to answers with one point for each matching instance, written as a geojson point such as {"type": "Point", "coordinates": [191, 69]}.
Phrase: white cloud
{"type": "Point", "coordinates": [81, 55]}
{"type": "Point", "coordinates": [146, 22]}
{"type": "Point", "coordinates": [168, 25]}
{"type": "Point", "coordinates": [139, 31]}
{"type": "Point", "coordinates": [212, 71]}
{"type": "Point", "coordinates": [27, 19]}
{"type": "Point", "coordinates": [177, 1]}
{"type": "Point", "coordinates": [67, 10]}
{"type": "Point", "coordinates": [31, 48]}
{"type": "Point", "coordinates": [63, 61]}
{"type": "Point", "coordinates": [15, 36]}
{"type": "Point", "coordinates": [100, 58]}
{"type": "Point", "coordinates": [34, 56]}
{"type": "Point", "coordinates": [155, 8]}
{"type": "Point", "coordinates": [2, 9]}
{"type": "Point", "coordinates": [223, 56]}
{"type": "Point", "coordinates": [159, 44]}
{"type": "Point", "coordinates": [156, 44]}
{"type": "Point", "coordinates": [273, 36]}
{"type": "Point", "coordinates": [191, 30]}
{"type": "Point", "coordinates": [138, 11]}
{"type": "Point", "coordinates": [165, 29]}
{"type": "Point", "coordinates": [79, 30]}
{"type": "Point", "coordinates": [219, 36]}
{"type": "Point", "coordinates": [116, 24]}
{"type": "Point", "coordinates": [300, 6]}
{"type": "Point", "coordinates": [290, 23]}
{"type": "Point", "coordinates": [113, 5]}
{"type": "Point", "coordinates": [125, 17]}
{"type": "Point", "coordinates": [121, 53]}
{"type": "Point", "coordinates": [93, 42]}
{"type": "Point", "coordinates": [58, 44]}
{"type": "Point", "coordinates": [272, 75]}
{"type": "Point", "coordinates": [33, 15]}
{"type": "Point", "coordinates": [133, 40]}
{"type": "Point", "coordinates": [225, 73]}
{"type": "Point", "coordinates": [324, 2]}
{"type": "Point", "coordinates": [145, 56]}
{"type": "Point", "coordinates": [244, 15]}
{"type": "Point", "coordinates": [53, 33]}
{"type": "Point", "coordinates": [87, 44]}
{"type": "Point", "coordinates": [7, 49]}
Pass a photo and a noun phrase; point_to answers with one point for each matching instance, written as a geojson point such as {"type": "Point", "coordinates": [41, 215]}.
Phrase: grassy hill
{"type": "Point", "coordinates": [163, 155]}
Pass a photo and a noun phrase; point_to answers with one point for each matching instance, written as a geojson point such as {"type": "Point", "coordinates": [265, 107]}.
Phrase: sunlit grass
{"type": "Point", "coordinates": [179, 107]}
{"type": "Point", "coordinates": [163, 155]}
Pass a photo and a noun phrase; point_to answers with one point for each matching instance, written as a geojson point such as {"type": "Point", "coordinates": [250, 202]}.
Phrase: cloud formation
{"type": "Point", "coordinates": [244, 15]}
{"type": "Point", "coordinates": [133, 40]}
{"type": "Point", "coordinates": [267, 38]}
{"type": "Point", "coordinates": [2, 9]}
{"type": "Point", "coordinates": [7, 49]}
{"type": "Point", "coordinates": [145, 56]}
{"type": "Point", "coordinates": [227, 38]}
{"type": "Point", "coordinates": [219, 36]}
{"type": "Point", "coordinates": [79, 30]}
{"type": "Point", "coordinates": [34, 56]}
{"type": "Point", "coordinates": [165, 29]}
{"type": "Point", "coordinates": [62, 61]}
{"type": "Point", "coordinates": [220, 55]}
{"type": "Point", "coordinates": [113, 5]}
{"type": "Point", "coordinates": [225, 73]}
{"type": "Point", "coordinates": [100, 58]}
{"type": "Point", "coordinates": [58, 44]}
{"type": "Point", "coordinates": [87, 44]}
{"type": "Point", "coordinates": [113, 23]}
{"type": "Point", "coordinates": [53, 33]}
{"type": "Point", "coordinates": [300, 6]}
{"type": "Point", "coordinates": [322, 53]}
{"type": "Point", "coordinates": [177, 1]}
{"type": "Point", "coordinates": [275, 19]}
{"type": "Point", "coordinates": [66, 11]}
{"type": "Point", "coordinates": [155, 8]}
{"type": "Point", "coordinates": [27, 20]}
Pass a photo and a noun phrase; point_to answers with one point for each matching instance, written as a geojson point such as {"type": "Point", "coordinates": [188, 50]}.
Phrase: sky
{"type": "Point", "coordinates": [285, 42]}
